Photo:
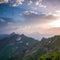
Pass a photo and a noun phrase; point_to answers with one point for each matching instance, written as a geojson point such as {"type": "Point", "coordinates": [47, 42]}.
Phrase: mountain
{"type": "Point", "coordinates": [21, 47]}
{"type": "Point", "coordinates": [47, 49]}
{"type": "Point", "coordinates": [39, 36]}
{"type": "Point", "coordinates": [14, 46]}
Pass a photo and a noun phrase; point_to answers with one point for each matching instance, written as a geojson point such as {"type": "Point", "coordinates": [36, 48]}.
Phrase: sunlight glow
{"type": "Point", "coordinates": [55, 23]}
{"type": "Point", "coordinates": [57, 13]}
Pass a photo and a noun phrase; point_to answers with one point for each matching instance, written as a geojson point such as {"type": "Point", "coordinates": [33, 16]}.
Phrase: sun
{"type": "Point", "coordinates": [55, 23]}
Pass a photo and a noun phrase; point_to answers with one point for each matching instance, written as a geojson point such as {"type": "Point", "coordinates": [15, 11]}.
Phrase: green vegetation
{"type": "Point", "coordinates": [29, 57]}
{"type": "Point", "coordinates": [49, 49]}
{"type": "Point", "coordinates": [29, 49]}
{"type": "Point", "coordinates": [55, 56]}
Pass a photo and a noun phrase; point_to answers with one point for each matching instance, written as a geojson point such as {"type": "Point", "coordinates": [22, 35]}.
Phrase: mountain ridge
{"type": "Point", "coordinates": [21, 47]}
{"type": "Point", "coordinates": [15, 45]}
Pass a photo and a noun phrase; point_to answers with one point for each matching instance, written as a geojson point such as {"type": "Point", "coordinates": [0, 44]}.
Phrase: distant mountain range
{"type": "Point", "coordinates": [39, 36]}
{"type": "Point", "coordinates": [34, 35]}
{"type": "Point", "coordinates": [3, 36]}
{"type": "Point", "coordinates": [21, 47]}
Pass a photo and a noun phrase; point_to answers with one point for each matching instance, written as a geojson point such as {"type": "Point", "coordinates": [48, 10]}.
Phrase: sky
{"type": "Point", "coordinates": [30, 16]}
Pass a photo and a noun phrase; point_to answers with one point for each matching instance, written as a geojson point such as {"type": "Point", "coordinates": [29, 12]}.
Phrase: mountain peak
{"type": "Point", "coordinates": [13, 33]}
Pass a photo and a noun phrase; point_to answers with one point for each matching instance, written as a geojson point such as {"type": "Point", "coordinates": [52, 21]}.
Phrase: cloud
{"type": "Point", "coordinates": [16, 2]}
{"type": "Point", "coordinates": [30, 2]}
{"type": "Point", "coordinates": [37, 25]}
{"type": "Point", "coordinates": [30, 12]}
{"type": "Point", "coordinates": [5, 21]}
{"type": "Point", "coordinates": [3, 1]}
{"type": "Point", "coordinates": [55, 31]}
{"type": "Point", "coordinates": [39, 4]}
{"type": "Point", "coordinates": [34, 17]}
{"type": "Point", "coordinates": [51, 5]}
{"type": "Point", "coordinates": [12, 2]}
{"type": "Point", "coordinates": [2, 20]}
